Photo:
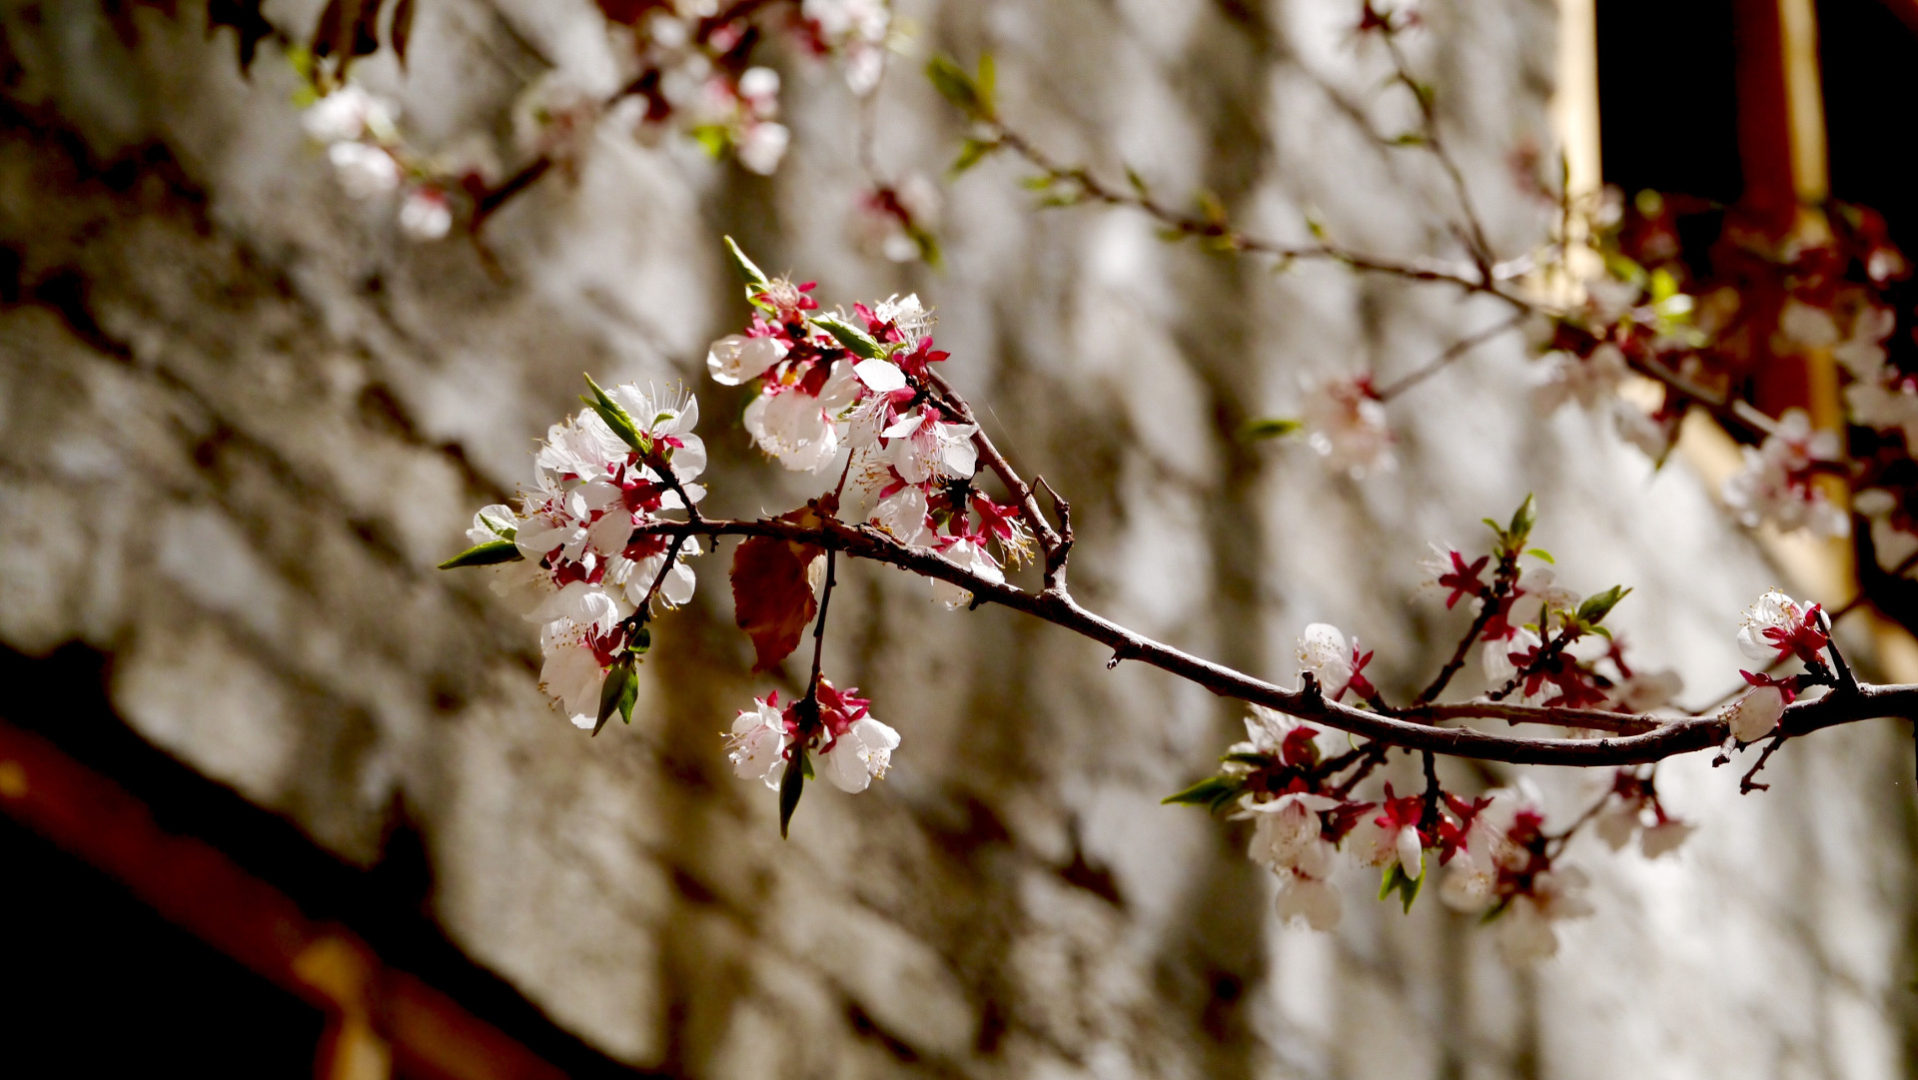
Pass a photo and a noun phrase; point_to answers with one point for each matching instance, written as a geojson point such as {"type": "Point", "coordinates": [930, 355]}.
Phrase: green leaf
{"type": "Point", "coordinates": [954, 84]}
{"type": "Point", "coordinates": [971, 152]}
{"type": "Point", "coordinates": [1542, 555]}
{"type": "Point", "coordinates": [791, 786]}
{"type": "Point", "coordinates": [1270, 427]}
{"type": "Point", "coordinates": [642, 640]}
{"type": "Point", "coordinates": [617, 693]}
{"type": "Point", "coordinates": [1037, 183]}
{"type": "Point", "coordinates": [488, 554]}
{"type": "Point", "coordinates": [986, 82]}
{"type": "Point", "coordinates": [1257, 761]}
{"type": "Point", "coordinates": [1207, 792]}
{"type": "Point", "coordinates": [1523, 519]}
{"type": "Point", "coordinates": [1138, 184]}
{"type": "Point", "coordinates": [749, 271]}
{"type": "Point", "coordinates": [1211, 207]}
{"type": "Point", "coordinates": [617, 418]}
{"type": "Point", "coordinates": [1396, 881]}
{"type": "Point", "coordinates": [1599, 605]}
{"type": "Point", "coordinates": [856, 341]}
{"type": "Point", "coordinates": [1410, 138]}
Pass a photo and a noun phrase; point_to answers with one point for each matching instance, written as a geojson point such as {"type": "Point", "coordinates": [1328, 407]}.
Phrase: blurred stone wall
{"type": "Point", "coordinates": [240, 419]}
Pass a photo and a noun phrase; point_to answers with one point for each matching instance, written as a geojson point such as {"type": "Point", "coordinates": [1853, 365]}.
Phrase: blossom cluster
{"type": "Point", "coordinates": [692, 70]}
{"type": "Point", "coordinates": [1537, 640]}
{"type": "Point", "coordinates": [857, 391]}
{"type": "Point", "coordinates": [577, 560]}
{"type": "Point", "coordinates": [360, 132]}
{"type": "Point", "coordinates": [852, 748]}
{"type": "Point", "coordinates": [1494, 854]}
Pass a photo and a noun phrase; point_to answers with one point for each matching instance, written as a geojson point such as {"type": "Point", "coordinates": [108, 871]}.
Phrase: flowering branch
{"type": "Point", "coordinates": [615, 493]}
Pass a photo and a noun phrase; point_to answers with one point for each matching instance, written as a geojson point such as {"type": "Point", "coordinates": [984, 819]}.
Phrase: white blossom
{"type": "Point", "coordinates": [1755, 715]}
{"type": "Point", "coordinates": [1285, 828]}
{"type": "Point", "coordinates": [1771, 611]}
{"type": "Point", "coordinates": [1324, 653]}
{"type": "Point", "coordinates": [1346, 425]}
{"type": "Point", "coordinates": [736, 358]}
{"type": "Point", "coordinates": [425, 214]}
{"type": "Point", "coordinates": [1526, 932]}
{"type": "Point", "coordinates": [971, 557]}
{"type": "Point", "coordinates": [365, 172]}
{"type": "Point", "coordinates": [761, 146]}
{"type": "Point", "coordinates": [757, 744]}
{"type": "Point", "coordinates": [860, 756]}
{"type": "Point", "coordinates": [1309, 899]}
{"type": "Point", "coordinates": [1496, 656]}
{"type": "Point", "coordinates": [348, 114]}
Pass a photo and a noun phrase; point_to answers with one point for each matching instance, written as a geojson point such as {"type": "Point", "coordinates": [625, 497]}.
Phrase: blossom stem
{"type": "Point", "coordinates": [1049, 541]}
{"type": "Point", "coordinates": [1502, 581]}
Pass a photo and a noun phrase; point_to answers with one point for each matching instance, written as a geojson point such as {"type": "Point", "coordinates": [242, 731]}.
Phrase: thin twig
{"type": "Point", "coordinates": [1452, 353]}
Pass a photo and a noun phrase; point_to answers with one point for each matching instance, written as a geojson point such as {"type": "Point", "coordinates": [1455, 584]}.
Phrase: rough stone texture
{"type": "Point", "coordinates": [240, 419]}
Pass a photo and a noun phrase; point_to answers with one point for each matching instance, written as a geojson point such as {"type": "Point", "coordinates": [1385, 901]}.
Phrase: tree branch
{"type": "Point", "coordinates": [1652, 739]}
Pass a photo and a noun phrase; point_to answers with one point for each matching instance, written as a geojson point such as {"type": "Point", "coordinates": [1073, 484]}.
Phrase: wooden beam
{"type": "Point", "coordinates": [379, 1016]}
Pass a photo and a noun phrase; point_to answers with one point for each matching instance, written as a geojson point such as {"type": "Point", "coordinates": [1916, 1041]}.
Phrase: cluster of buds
{"type": "Point", "coordinates": [361, 134]}
{"type": "Point", "coordinates": [576, 557]}
{"type": "Point", "coordinates": [863, 383]}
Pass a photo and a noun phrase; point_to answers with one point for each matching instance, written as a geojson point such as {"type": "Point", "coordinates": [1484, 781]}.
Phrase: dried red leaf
{"type": "Point", "coordinates": [772, 600]}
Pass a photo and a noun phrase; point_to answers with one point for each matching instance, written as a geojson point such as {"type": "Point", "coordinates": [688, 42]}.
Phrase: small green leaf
{"type": "Point", "coordinates": [617, 418]}
{"type": "Point", "coordinates": [971, 152]}
{"type": "Point", "coordinates": [1270, 427]}
{"type": "Point", "coordinates": [1410, 138]}
{"type": "Point", "coordinates": [1599, 605]}
{"type": "Point", "coordinates": [488, 554]}
{"type": "Point", "coordinates": [749, 271]}
{"type": "Point", "coordinates": [856, 341]}
{"type": "Point", "coordinates": [642, 640]}
{"type": "Point", "coordinates": [1037, 183]}
{"type": "Point", "coordinates": [986, 82]}
{"type": "Point", "coordinates": [617, 693]}
{"type": "Point", "coordinates": [1207, 792]}
{"type": "Point", "coordinates": [954, 84]}
{"type": "Point", "coordinates": [791, 786]}
{"type": "Point", "coordinates": [1138, 184]}
{"type": "Point", "coordinates": [1542, 555]}
{"type": "Point", "coordinates": [1257, 761]}
{"type": "Point", "coordinates": [1396, 881]}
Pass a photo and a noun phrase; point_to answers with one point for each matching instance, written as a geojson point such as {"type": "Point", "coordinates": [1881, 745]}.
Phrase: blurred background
{"type": "Point", "coordinates": [278, 798]}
